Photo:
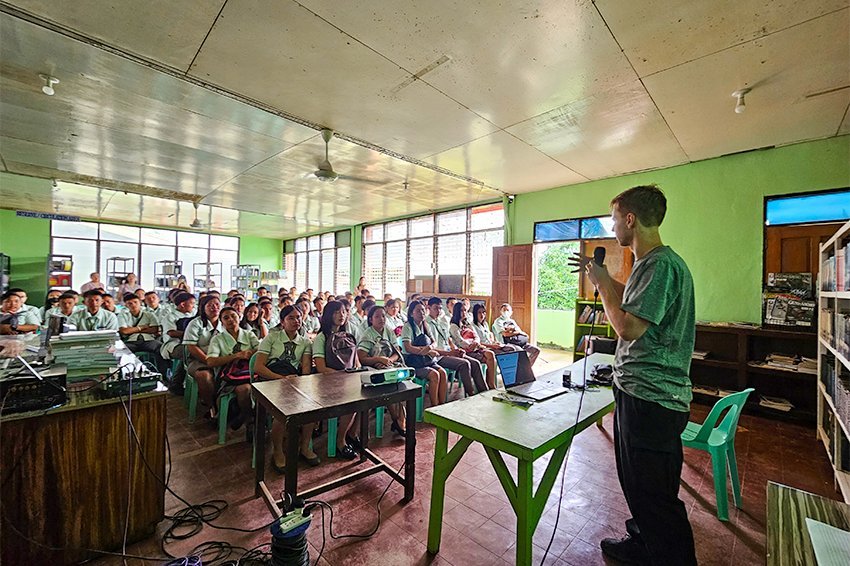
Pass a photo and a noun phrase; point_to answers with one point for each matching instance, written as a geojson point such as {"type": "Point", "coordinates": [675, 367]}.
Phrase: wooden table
{"type": "Point", "coordinates": [65, 478]}
{"type": "Point", "coordinates": [526, 434]}
{"type": "Point", "coordinates": [788, 541]}
{"type": "Point", "coordinates": [313, 398]}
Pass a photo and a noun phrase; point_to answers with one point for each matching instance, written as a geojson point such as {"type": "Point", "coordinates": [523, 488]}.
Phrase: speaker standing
{"type": "Point", "coordinates": [653, 315]}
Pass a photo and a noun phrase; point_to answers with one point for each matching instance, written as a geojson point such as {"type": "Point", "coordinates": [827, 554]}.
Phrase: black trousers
{"type": "Point", "coordinates": [150, 346]}
{"type": "Point", "coordinates": [648, 450]}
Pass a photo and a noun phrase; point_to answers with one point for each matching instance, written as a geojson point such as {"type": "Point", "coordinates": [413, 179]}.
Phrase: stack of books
{"type": "Point", "coordinates": [86, 354]}
{"type": "Point", "coordinates": [700, 354]}
{"type": "Point", "coordinates": [592, 316]}
{"type": "Point", "coordinates": [788, 300]}
{"type": "Point", "coordinates": [791, 363]}
{"type": "Point", "coordinates": [775, 403]}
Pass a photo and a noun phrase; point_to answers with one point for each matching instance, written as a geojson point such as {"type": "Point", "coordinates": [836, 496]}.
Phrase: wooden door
{"type": "Point", "coordinates": [618, 259]}
{"type": "Point", "coordinates": [794, 249]}
{"type": "Point", "coordinates": [512, 274]}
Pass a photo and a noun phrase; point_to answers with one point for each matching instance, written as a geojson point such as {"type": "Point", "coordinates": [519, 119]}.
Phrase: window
{"type": "Point", "coordinates": [91, 244]}
{"type": "Point", "coordinates": [397, 251]}
{"type": "Point", "coordinates": [317, 263]}
{"type": "Point", "coordinates": [574, 229]}
{"type": "Point", "coordinates": [804, 209]}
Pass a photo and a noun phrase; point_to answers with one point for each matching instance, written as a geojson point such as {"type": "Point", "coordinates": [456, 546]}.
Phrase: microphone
{"type": "Point", "coordinates": [598, 259]}
{"type": "Point", "coordinates": [599, 255]}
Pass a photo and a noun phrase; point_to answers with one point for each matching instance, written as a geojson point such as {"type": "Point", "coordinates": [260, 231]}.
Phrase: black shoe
{"type": "Point", "coordinates": [627, 550]}
{"type": "Point", "coordinates": [395, 427]}
{"type": "Point", "coordinates": [249, 433]}
{"type": "Point", "coordinates": [312, 462]}
{"type": "Point", "coordinates": [177, 389]}
{"type": "Point", "coordinates": [279, 469]}
{"type": "Point", "coordinates": [354, 442]}
{"type": "Point", "coordinates": [346, 452]}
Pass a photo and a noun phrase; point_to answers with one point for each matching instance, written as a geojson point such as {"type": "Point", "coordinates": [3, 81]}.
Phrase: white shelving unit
{"type": "Point", "coordinates": [166, 276]}
{"type": "Point", "coordinates": [207, 276]}
{"type": "Point", "coordinates": [59, 271]}
{"type": "Point", "coordinates": [117, 269]}
{"type": "Point", "coordinates": [246, 278]}
{"type": "Point", "coordinates": [833, 392]}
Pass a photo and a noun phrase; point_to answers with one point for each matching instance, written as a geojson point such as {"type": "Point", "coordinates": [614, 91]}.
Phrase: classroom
{"type": "Point", "coordinates": [425, 283]}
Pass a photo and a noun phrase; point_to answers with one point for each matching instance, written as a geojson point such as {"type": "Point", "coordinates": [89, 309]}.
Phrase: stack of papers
{"type": "Point", "coordinates": [86, 354]}
{"type": "Point", "coordinates": [700, 354]}
{"type": "Point", "coordinates": [776, 403]}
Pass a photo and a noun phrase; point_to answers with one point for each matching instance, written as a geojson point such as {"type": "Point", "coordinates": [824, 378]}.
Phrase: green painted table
{"type": "Point", "coordinates": [788, 541]}
{"type": "Point", "coordinates": [526, 434]}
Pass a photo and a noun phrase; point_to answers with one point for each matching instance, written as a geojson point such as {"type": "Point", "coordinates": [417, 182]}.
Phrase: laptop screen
{"type": "Point", "coordinates": [515, 368]}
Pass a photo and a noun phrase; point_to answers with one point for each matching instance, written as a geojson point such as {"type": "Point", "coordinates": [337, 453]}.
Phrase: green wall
{"type": "Point", "coordinates": [555, 327]}
{"type": "Point", "coordinates": [27, 242]}
{"type": "Point", "coordinates": [265, 252]}
{"type": "Point", "coordinates": [715, 214]}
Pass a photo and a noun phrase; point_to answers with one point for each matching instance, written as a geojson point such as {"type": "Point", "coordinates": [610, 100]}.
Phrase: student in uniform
{"type": "Point", "coordinates": [251, 321]}
{"type": "Point", "coordinates": [140, 330]}
{"type": "Point", "coordinates": [450, 308]}
{"type": "Point", "coordinates": [452, 356]}
{"type": "Point", "coordinates": [420, 354]}
{"type": "Point", "coordinates": [237, 303]}
{"type": "Point", "coordinates": [232, 293]}
{"type": "Point", "coordinates": [282, 354]}
{"type": "Point", "coordinates": [14, 320]}
{"type": "Point", "coordinates": [65, 306]}
{"type": "Point", "coordinates": [318, 306]}
{"type": "Point", "coordinates": [464, 337]}
{"type": "Point", "coordinates": [310, 325]}
{"type": "Point", "coordinates": [358, 317]}
{"type": "Point", "coordinates": [109, 304]}
{"type": "Point", "coordinates": [140, 293]}
{"type": "Point", "coordinates": [365, 306]}
{"type": "Point", "coordinates": [94, 317]}
{"type": "Point", "coordinates": [504, 328]}
{"type": "Point", "coordinates": [394, 319]}
{"type": "Point", "coordinates": [483, 334]}
{"type": "Point", "coordinates": [196, 339]}
{"type": "Point", "coordinates": [173, 328]}
{"type": "Point", "coordinates": [152, 304]}
{"type": "Point", "coordinates": [265, 305]}
{"type": "Point", "coordinates": [335, 349]}
{"type": "Point", "coordinates": [466, 303]}
{"type": "Point", "coordinates": [378, 348]}
{"type": "Point", "coordinates": [50, 301]}
{"type": "Point", "coordinates": [228, 354]}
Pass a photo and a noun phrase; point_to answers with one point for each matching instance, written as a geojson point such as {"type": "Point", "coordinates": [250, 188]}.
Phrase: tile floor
{"type": "Point", "coordinates": [478, 523]}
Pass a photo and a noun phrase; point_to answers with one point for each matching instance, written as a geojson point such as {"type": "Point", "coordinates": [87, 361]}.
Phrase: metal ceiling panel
{"type": "Point", "coordinates": [784, 70]}
{"type": "Point", "coordinates": [613, 132]}
{"type": "Point", "coordinates": [503, 161]}
{"type": "Point", "coordinates": [163, 30]}
{"type": "Point", "coordinates": [284, 56]}
{"type": "Point", "coordinates": [660, 34]}
{"type": "Point", "coordinates": [507, 62]}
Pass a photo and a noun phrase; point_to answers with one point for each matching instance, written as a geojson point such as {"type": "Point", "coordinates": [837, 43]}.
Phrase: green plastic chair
{"type": "Point", "coordinates": [719, 441]}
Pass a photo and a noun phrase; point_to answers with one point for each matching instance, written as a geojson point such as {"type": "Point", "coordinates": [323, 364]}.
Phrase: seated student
{"type": "Point", "coordinates": [228, 353]}
{"type": "Point", "coordinates": [196, 339]}
{"type": "Point", "coordinates": [66, 306]}
{"type": "Point", "coordinates": [318, 306]}
{"type": "Point", "coordinates": [463, 335]}
{"type": "Point", "coordinates": [140, 293]}
{"type": "Point", "coordinates": [394, 319]}
{"type": "Point", "coordinates": [450, 308]}
{"type": "Point", "coordinates": [50, 301]}
{"type": "Point", "coordinates": [309, 324]}
{"type": "Point", "coordinates": [387, 297]}
{"type": "Point", "coordinates": [173, 328]}
{"type": "Point", "coordinates": [266, 308]}
{"type": "Point", "coordinates": [251, 321]}
{"type": "Point", "coordinates": [365, 306]}
{"type": "Point", "coordinates": [110, 305]}
{"type": "Point", "coordinates": [507, 331]}
{"type": "Point", "coordinates": [335, 349]}
{"type": "Point", "coordinates": [365, 293]}
{"type": "Point", "coordinates": [232, 293]}
{"type": "Point", "coordinates": [420, 354]}
{"type": "Point", "coordinates": [452, 357]}
{"type": "Point", "coordinates": [466, 303]}
{"type": "Point", "coordinates": [237, 303]}
{"type": "Point", "coordinates": [358, 317]}
{"type": "Point", "coordinates": [293, 293]}
{"type": "Point", "coordinates": [140, 330]}
{"type": "Point", "coordinates": [93, 317]}
{"type": "Point", "coordinates": [263, 292]}
{"type": "Point", "coordinates": [13, 320]}
{"type": "Point", "coordinates": [153, 306]}
{"type": "Point", "coordinates": [202, 294]}
{"type": "Point", "coordinates": [378, 348]}
{"type": "Point", "coordinates": [285, 353]}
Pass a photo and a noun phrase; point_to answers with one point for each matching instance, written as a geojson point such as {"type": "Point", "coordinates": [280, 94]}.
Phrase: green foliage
{"type": "Point", "coordinates": [557, 287]}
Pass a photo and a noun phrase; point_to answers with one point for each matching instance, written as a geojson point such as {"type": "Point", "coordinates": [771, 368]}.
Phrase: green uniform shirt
{"type": "Point", "coordinates": [277, 345]}
{"type": "Point", "coordinates": [375, 343]}
{"type": "Point", "coordinates": [439, 331]}
{"type": "Point", "coordinates": [145, 318]}
{"type": "Point", "coordinates": [101, 320]}
{"type": "Point", "coordinates": [500, 325]}
{"type": "Point", "coordinates": [656, 366]}
{"type": "Point", "coordinates": [199, 333]}
{"type": "Point", "coordinates": [25, 316]}
{"type": "Point", "coordinates": [222, 344]}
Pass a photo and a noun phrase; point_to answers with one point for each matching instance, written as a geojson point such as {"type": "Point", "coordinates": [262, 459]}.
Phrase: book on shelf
{"type": "Point", "coordinates": [592, 316]}
{"type": "Point", "coordinates": [786, 362]}
{"type": "Point", "coordinates": [700, 354]}
{"type": "Point", "coordinates": [835, 271]}
{"type": "Point", "coordinates": [776, 403]}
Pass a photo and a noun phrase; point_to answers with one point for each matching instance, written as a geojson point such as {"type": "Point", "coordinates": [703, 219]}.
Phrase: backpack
{"type": "Point", "coordinates": [418, 361]}
{"type": "Point", "coordinates": [341, 351]}
{"type": "Point", "coordinates": [236, 372]}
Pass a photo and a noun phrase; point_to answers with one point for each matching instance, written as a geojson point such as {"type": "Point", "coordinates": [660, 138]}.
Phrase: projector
{"type": "Point", "coordinates": [383, 376]}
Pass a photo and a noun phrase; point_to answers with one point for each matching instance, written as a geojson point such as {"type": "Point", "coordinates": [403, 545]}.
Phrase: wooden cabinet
{"type": "Point", "coordinates": [735, 361]}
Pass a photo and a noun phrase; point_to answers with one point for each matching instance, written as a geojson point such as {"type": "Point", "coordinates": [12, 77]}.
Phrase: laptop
{"type": "Point", "coordinates": [519, 378]}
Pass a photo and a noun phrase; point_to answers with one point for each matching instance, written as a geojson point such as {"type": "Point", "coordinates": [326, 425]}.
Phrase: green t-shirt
{"type": "Point", "coordinates": [656, 366]}
{"type": "Point", "coordinates": [102, 320]}
{"type": "Point", "coordinates": [374, 343]}
{"type": "Point", "coordinates": [223, 344]}
{"type": "Point", "coordinates": [278, 345]}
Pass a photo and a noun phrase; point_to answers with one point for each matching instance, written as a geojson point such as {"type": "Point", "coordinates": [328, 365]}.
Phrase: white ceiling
{"type": "Point", "coordinates": [220, 101]}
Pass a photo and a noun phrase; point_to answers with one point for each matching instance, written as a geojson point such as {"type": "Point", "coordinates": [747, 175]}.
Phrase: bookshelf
{"type": "Point", "coordinates": [246, 278]}
{"type": "Point", "coordinates": [272, 280]}
{"type": "Point", "coordinates": [117, 269]}
{"type": "Point", "coordinates": [833, 385]}
{"type": "Point", "coordinates": [59, 268]}
{"type": "Point", "coordinates": [736, 360]}
{"type": "Point", "coordinates": [5, 272]}
{"type": "Point", "coordinates": [583, 325]}
{"type": "Point", "coordinates": [207, 276]}
{"type": "Point", "coordinates": [166, 276]}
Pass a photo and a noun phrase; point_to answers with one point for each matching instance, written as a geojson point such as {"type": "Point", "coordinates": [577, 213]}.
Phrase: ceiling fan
{"type": "Point", "coordinates": [197, 224]}
{"type": "Point", "coordinates": [326, 173]}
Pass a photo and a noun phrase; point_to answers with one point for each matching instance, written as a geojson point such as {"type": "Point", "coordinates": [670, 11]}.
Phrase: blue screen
{"type": "Point", "coordinates": [808, 208]}
{"type": "Point", "coordinates": [508, 366]}
{"type": "Point", "coordinates": [556, 231]}
{"type": "Point", "coordinates": [602, 227]}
